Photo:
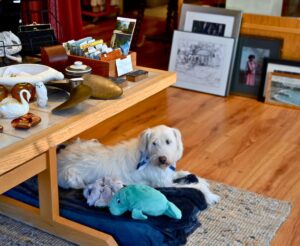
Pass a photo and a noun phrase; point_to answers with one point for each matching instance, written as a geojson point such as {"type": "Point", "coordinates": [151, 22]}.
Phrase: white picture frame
{"type": "Point", "coordinates": [202, 62]}
{"type": "Point", "coordinates": [222, 25]}
{"type": "Point", "coordinates": [216, 15]}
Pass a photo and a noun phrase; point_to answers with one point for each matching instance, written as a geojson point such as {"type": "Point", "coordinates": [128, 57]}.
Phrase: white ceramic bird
{"type": "Point", "coordinates": [41, 93]}
{"type": "Point", "coordinates": [10, 108]}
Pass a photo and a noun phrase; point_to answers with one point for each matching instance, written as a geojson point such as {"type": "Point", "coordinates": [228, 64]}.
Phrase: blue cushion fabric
{"type": "Point", "coordinates": [158, 231]}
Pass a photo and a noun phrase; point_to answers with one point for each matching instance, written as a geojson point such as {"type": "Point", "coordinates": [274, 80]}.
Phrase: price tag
{"type": "Point", "coordinates": [124, 65]}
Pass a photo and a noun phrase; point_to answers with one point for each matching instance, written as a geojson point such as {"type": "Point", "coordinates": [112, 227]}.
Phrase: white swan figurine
{"type": "Point", "coordinates": [11, 108]}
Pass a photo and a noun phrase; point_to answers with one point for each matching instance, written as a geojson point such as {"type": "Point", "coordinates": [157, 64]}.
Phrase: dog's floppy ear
{"type": "Point", "coordinates": [144, 140]}
{"type": "Point", "coordinates": [178, 142]}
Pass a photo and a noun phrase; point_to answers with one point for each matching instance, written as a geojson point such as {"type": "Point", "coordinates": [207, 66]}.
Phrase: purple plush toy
{"type": "Point", "coordinates": [101, 191]}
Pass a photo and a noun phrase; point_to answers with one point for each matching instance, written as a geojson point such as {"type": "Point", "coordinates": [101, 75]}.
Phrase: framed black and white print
{"type": "Point", "coordinates": [219, 22]}
{"type": "Point", "coordinates": [212, 21]}
{"type": "Point", "coordinates": [249, 63]}
{"type": "Point", "coordinates": [276, 65]}
{"type": "Point", "coordinates": [202, 62]}
{"type": "Point", "coordinates": [209, 24]}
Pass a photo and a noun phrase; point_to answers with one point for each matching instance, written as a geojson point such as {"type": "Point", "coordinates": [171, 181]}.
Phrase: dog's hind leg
{"type": "Point", "coordinates": [186, 179]}
{"type": "Point", "coordinates": [69, 178]}
{"type": "Point", "coordinates": [210, 197]}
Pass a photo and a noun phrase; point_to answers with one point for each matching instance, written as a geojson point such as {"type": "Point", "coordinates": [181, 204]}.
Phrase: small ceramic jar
{"type": "Point", "coordinates": [3, 92]}
{"type": "Point", "coordinates": [15, 91]}
{"type": "Point", "coordinates": [77, 70]}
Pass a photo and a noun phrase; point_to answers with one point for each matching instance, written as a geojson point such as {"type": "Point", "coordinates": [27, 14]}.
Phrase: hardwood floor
{"type": "Point", "coordinates": [234, 140]}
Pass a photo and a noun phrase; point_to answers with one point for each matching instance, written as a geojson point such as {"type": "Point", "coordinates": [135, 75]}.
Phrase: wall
{"type": "Point", "coordinates": [284, 28]}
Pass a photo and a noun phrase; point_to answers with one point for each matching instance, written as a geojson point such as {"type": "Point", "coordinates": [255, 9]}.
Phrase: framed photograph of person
{"type": "Point", "coordinates": [248, 70]}
{"type": "Point", "coordinates": [283, 89]}
{"type": "Point", "coordinates": [212, 21]}
{"type": "Point", "coordinates": [278, 65]}
{"type": "Point", "coordinates": [202, 62]}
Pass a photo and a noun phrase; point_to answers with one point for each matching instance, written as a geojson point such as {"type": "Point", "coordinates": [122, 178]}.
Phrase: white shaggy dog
{"type": "Point", "coordinates": [150, 159]}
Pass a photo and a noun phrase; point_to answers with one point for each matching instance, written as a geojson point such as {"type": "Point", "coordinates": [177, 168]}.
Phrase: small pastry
{"type": "Point", "coordinates": [26, 121]}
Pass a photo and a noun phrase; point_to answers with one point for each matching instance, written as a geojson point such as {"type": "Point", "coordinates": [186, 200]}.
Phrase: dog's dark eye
{"type": "Point", "coordinates": [154, 143]}
{"type": "Point", "coordinates": [118, 201]}
{"type": "Point", "coordinates": [167, 141]}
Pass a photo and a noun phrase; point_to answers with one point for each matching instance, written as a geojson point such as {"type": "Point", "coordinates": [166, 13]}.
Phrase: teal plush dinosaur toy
{"type": "Point", "coordinates": [142, 200]}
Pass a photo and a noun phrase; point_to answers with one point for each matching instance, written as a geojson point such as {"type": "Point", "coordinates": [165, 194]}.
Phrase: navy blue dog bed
{"type": "Point", "coordinates": [158, 231]}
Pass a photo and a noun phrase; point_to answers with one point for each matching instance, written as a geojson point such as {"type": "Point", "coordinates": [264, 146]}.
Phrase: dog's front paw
{"type": "Point", "coordinates": [70, 179]}
{"type": "Point", "coordinates": [212, 198]}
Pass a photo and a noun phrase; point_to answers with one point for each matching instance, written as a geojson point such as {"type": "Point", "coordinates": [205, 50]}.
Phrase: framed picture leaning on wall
{"type": "Point", "coordinates": [214, 22]}
{"type": "Point", "coordinates": [248, 71]}
{"type": "Point", "coordinates": [202, 62]}
{"type": "Point", "coordinates": [278, 65]}
{"type": "Point", "coordinates": [193, 15]}
{"type": "Point", "coordinates": [283, 89]}
{"type": "Point", "coordinates": [209, 24]}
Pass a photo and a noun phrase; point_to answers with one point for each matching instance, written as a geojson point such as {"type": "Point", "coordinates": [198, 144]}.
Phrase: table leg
{"type": "Point", "coordinates": [48, 188]}
{"type": "Point", "coordinates": [47, 217]}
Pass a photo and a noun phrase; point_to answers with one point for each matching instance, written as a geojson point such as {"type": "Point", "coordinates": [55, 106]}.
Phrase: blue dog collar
{"type": "Point", "coordinates": [172, 168]}
{"type": "Point", "coordinates": [145, 160]}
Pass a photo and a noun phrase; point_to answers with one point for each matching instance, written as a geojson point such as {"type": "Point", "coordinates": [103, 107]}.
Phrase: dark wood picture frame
{"type": "Point", "coordinates": [280, 65]}
{"type": "Point", "coordinates": [283, 89]}
{"type": "Point", "coordinates": [256, 49]}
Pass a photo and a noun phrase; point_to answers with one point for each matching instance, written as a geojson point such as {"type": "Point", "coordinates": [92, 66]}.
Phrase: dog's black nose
{"type": "Point", "coordinates": [162, 159]}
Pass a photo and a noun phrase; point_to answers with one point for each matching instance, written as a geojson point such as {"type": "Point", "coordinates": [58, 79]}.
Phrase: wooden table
{"type": "Point", "coordinates": [24, 154]}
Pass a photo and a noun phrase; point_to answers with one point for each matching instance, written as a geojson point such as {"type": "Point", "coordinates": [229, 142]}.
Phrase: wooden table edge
{"type": "Point", "coordinates": [27, 149]}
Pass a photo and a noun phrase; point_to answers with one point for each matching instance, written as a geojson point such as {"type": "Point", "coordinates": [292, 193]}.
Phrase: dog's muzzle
{"type": "Point", "coordinates": [163, 162]}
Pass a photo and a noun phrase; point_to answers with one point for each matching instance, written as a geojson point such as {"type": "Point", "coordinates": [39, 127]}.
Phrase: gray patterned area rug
{"type": "Point", "coordinates": [241, 218]}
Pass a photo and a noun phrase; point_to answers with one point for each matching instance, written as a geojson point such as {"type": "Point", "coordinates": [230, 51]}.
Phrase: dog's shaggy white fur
{"type": "Point", "coordinates": [83, 162]}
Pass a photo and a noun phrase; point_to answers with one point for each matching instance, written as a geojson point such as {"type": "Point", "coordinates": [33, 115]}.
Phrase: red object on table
{"type": "Point", "coordinates": [3, 92]}
{"type": "Point", "coordinates": [26, 121]}
{"type": "Point", "coordinates": [15, 91]}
